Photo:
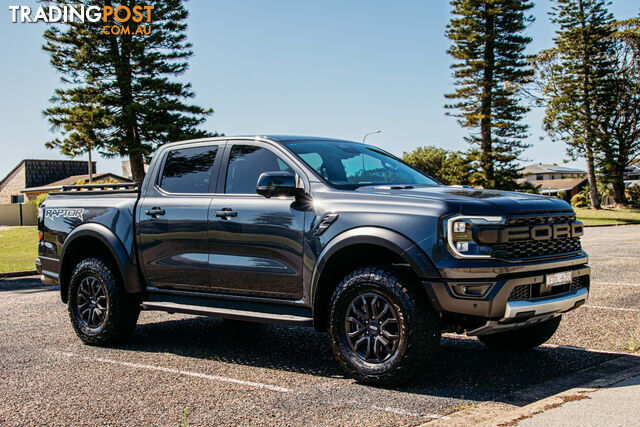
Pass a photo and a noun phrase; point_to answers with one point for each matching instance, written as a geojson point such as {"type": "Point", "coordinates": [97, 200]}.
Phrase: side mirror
{"type": "Point", "coordinates": [280, 183]}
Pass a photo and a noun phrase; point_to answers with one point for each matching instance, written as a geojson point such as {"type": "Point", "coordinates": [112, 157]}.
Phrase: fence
{"type": "Point", "coordinates": [19, 214]}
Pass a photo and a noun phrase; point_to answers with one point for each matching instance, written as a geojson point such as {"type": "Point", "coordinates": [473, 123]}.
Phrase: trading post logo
{"type": "Point", "coordinates": [132, 20]}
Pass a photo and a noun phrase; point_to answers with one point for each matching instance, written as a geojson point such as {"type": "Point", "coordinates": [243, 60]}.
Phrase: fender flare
{"type": "Point", "coordinates": [127, 268]}
{"type": "Point", "coordinates": [389, 239]}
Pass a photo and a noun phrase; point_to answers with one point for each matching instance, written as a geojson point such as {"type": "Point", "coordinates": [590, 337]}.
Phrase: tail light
{"type": "Point", "coordinates": [40, 236]}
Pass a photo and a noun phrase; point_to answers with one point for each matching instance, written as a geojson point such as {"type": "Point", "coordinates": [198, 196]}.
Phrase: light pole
{"type": "Point", "coordinates": [369, 133]}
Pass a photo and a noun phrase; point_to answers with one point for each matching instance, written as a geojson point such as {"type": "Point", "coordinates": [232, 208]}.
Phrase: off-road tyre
{"type": "Point", "coordinates": [522, 339]}
{"type": "Point", "coordinates": [418, 326]}
{"type": "Point", "coordinates": [122, 308]}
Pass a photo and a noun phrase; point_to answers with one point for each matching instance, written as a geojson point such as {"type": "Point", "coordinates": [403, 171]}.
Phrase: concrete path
{"type": "Point", "coordinates": [617, 405]}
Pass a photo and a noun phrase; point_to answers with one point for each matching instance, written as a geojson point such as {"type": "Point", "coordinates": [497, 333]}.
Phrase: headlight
{"type": "Point", "coordinates": [459, 231]}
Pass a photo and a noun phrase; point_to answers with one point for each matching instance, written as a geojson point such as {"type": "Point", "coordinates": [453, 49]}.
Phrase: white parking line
{"type": "Point", "coordinates": [602, 307]}
{"type": "Point", "coordinates": [636, 285]}
{"type": "Point", "coordinates": [408, 413]}
{"type": "Point", "coordinates": [396, 411]}
{"type": "Point", "coordinates": [179, 372]}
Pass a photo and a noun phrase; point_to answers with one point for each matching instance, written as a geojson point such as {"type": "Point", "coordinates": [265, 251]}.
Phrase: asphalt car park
{"type": "Point", "coordinates": [178, 368]}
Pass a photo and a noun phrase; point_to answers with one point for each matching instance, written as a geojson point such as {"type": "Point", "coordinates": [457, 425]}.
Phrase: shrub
{"type": "Point", "coordinates": [102, 181]}
{"type": "Point", "coordinates": [633, 193]}
{"type": "Point", "coordinates": [579, 201]}
{"type": "Point", "coordinates": [39, 200]}
{"type": "Point", "coordinates": [447, 167]}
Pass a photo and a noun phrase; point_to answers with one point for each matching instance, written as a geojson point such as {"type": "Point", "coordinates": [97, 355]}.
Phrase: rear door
{"type": "Point", "coordinates": [174, 218]}
{"type": "Point", "coordinates": [256, 243]}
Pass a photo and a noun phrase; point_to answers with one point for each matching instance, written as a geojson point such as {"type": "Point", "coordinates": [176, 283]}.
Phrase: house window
{"type": "Point", "coordinates": [17, 199]}
{"type": "Point", "coordinates": [539, 177]}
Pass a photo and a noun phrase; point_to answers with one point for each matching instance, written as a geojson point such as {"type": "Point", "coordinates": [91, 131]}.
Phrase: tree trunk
{"type": "Point", "coordinates": [90, 167]}
{"type": "Point", "coordinates": [137, 167]}
{"type": "Point", "coordinates": [120, 47]}
{"type": "Point", "coordinates": [619, 196]}
{"type": "Point", "coordinates": [586, 87]}
{"type": "Point", "coordinates": [486, 149]}
{"type": "Point", "coordinates": [591, 178]}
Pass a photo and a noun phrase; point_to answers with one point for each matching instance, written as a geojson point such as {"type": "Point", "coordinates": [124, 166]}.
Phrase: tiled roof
{"type": "Point", "coordinates": [546, 168]}
{"type": "Point", "coordinates": [558, 184]}
{"type": "Point", "coordinates": [40, 172]}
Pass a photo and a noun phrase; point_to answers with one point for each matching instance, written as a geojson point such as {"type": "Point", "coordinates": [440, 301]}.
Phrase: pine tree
{"type": "Point", "coordinates": [490, 67]}
{"type": "Point", "coordinates": [618, 126]}
{"type": "Point", "coordinates": [119, 93]}
{"type": "Point", "coordinates": [576, 74]}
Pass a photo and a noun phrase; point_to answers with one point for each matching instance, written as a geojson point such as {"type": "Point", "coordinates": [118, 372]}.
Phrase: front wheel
{"type": "Point", "coordinates": [382, 330]}
{"type": "Point", "coordinates": [100, 309]}
{"type": "Point", "coordinates": [524, 338]}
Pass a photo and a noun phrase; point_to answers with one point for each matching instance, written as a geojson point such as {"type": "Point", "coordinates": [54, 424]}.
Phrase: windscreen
{"type": "Point", "coordinates": [349, 165]}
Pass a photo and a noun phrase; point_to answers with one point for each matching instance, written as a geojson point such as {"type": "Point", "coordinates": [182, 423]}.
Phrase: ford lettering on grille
{"type": "Point", "coordinates": [536, 232]}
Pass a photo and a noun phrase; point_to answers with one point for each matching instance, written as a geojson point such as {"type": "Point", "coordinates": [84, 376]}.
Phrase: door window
{"type": "Point", "coordinates": [188, 170]}
{"type": "Point", "coordinates": [246, 164]}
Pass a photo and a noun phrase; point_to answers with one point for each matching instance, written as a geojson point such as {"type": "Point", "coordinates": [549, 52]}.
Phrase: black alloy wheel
{"type": "Point", "coordinates": [100, 309]}
{"type": "Point", "coordinates": [382, 329]}
{"type": "Point", "coordinates": [92, 302]}
{"type": "Point", "coordinates": [372, 328]}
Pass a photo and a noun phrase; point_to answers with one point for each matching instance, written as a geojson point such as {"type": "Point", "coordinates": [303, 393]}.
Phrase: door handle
{"type": "Point", "coordinates": [154, 212]}
{"type": "Point", "coordinates": [225, 213]}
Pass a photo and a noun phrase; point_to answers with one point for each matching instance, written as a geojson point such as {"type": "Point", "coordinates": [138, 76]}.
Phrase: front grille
{"type": "Point", "coordinates": [529, 292]}
{"type": "Point", "coordinates": [522, 292]}
{"type": "Point", "coordinates": [579, 282]}
{"type": "Point", "coordinates": [531, 248]}
{"type": "Point", "coordinates": [537, 248]}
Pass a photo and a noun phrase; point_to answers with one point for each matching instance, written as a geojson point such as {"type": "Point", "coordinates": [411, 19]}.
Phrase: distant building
{"type": "Point", "coordinates": [540, 172]}
{"type": "Point", "coordinates": [552, 187]}
{"type": "Point", "coordinates": [553, 179]}
{"type": "Point", "coordinates": [34, 173]}
{"type": "Point", "coordinates": [632, 176]}
{"type": "Point", "coordinates": [632, 173]}
{"type": "Point", "coordinates": [126, 169]}
{"type": "Point", "coordinates": [33, 192]}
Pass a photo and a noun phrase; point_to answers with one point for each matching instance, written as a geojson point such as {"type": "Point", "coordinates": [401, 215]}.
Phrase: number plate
{"type": "Point", "coordinates": [557, 279]}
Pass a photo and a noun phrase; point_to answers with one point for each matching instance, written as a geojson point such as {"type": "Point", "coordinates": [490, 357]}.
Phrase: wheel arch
{"type": "Point", "coordinates": [357, 247]}
{"type": "Point", "coordinates": [97, 240]}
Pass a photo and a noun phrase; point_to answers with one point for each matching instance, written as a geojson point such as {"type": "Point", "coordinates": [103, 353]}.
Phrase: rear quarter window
{"type": "Point", "coordinates": [188, 170]}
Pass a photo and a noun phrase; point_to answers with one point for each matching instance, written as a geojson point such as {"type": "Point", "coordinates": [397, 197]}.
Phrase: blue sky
{"type": "Point", "coordinates": [329, 68]}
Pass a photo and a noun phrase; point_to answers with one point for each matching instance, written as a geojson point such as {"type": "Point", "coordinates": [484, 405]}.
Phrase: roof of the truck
{"type": "Point", "coordinates": [275, 138]}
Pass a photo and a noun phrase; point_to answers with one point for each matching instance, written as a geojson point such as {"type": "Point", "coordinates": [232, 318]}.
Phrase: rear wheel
{"type": "Point", "coordinates": [100, 309]}
{"type": "Point", "coordinates": [382, 330]}
{"type": "Point", "coordinates": [524, 338]}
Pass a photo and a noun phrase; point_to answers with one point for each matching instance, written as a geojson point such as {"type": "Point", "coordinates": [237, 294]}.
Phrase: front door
{"type": "Point", "coordinates": [174, 219]}
{"type": "Point", "coordinates": [256, 243]}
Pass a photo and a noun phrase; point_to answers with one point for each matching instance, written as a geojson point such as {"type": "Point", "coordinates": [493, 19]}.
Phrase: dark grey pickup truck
{"type": "Point", "coordinates": [328, 233]}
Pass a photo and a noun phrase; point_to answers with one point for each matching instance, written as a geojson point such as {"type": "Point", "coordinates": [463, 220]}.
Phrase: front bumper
{"type": "Point", "coordinates": [503, 302]}
{"type": "Point", "coordinates": [541, 306]}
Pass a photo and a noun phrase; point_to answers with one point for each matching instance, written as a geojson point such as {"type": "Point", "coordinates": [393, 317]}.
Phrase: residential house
{"type": "Point", "coordinates": [33, 192]}
{"type": "Point", "coordinates": [34, 173]}
{"type": "Point", "coordinates": [632, 176]}
{"type": "Point", "coordinates": [553, 179]}
{"type": "Point", "coordinates": [552, 187]}
{"type": "Point", "coordinates": [540, 172]}
{"type": "Point", "coordinates": [632, 173]}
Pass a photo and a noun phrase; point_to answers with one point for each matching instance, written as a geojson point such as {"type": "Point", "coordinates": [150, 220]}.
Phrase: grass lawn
{"type": "Point", "coordinates": [608, 216]}
{"type": "Point", "coordinates": [18, 248]}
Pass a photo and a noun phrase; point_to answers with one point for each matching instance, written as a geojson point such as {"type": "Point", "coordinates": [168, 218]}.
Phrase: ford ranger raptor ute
{"type": "Point", "coordinates": [319, 232]}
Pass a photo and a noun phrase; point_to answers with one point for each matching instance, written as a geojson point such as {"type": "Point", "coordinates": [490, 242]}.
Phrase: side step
{"type": "Point", "coordinates": [230, 309]}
